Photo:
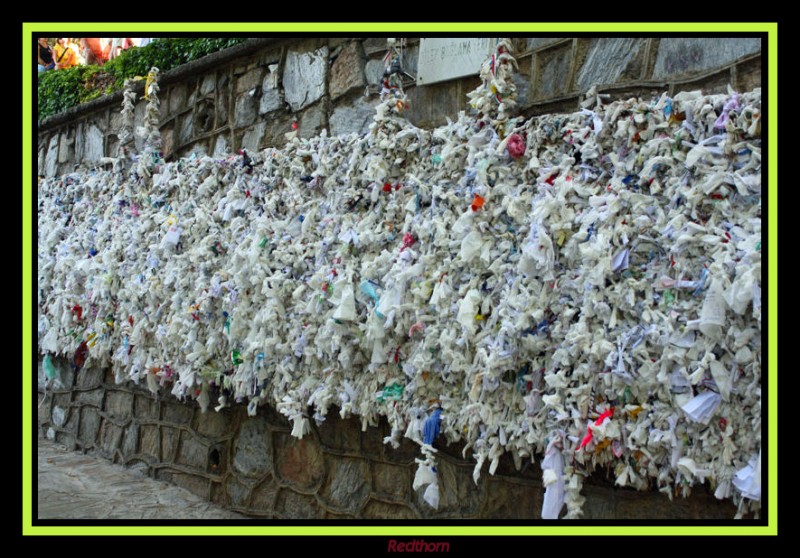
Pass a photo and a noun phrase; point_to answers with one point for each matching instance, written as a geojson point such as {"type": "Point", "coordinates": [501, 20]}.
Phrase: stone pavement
{"type": "Point", "coordinates": [72, 485]}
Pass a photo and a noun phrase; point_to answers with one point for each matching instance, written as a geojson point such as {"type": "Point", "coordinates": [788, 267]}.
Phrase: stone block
{"type": "Point", "coordinates": [208, 84]}
{"type": "Point", "coordinates": [92, 397]}
{"type": "Point", "coordinates": [99, 119]}
{"type": "Point", "coordinates": [148, 441]}
{"type": "Point", "coordinates": [554, 72]}
{"type": "Point", "coordinates": [43, 412]}
{"type": "Point", "coordinates": [249, 80]}
{"type": "Point", "coordinates": [353, 117]}
{"type": "Point", "coordinates": [213, 424]}
{"type": "Point", "coordinates": [115, 120]}
{"type": "Point", "coordinates": [337, 43]}
{"type": "Point", "coordinates": [430, 104]}
{"type": "Point", "coordinates": [508, 500]}
{"type": "Point", "coordinates": [375, 45]}
{"type": "Point", "coordinates": [703, 505]}
{"type": "Point", "coordinates": [80, 135]}
{"type": "Point", "coordinates": [522, 81]}
{"type": "Point", "coordinates": [177, 413]}
{"type": "Point", "coordinates": [411, 60]}
{"type": "Point", "coordinates": [252, 455]}
{"type": "Point", "coordinates": [304, 77]}
{"type": "Point", "coordinates": [145, 407]}
{"type": "Point", "coordinates": [600, 501]}
{"type": "Point", "coordinates": [89, 377]}
{"type": "Point", "coordinates": [109, 378]}
{"type": "Point", "coordinates": [185, 128]}
{"type": "Point", "coordinates": [93, 144]}
{"type": "Point", "coordinates": [223, 80]}
{"type": "Point", "coordinates": [223, 104]}
{"type": "Point", "coordinates": [264, 495]}
{"type": "Point", "coordinates": [130, 438]}
{"type": "Point", "coordinates": [340, 435]}
{"type": "Point", "coordinates": [119, 404]}
{"type": "Point", "coordinates": [110, 437]}
{"type": "Point", "coordinates": [632, 504]}
{"type": "Point", "coordinates": [51, 159]}
{"type": "Point", "coordinates": [347, 71]}
{"type": "Point", "coordinates": [278, 125]}
{"type": "Point", "coordinates": [66, 148]}
{"type": "Point", "coordinates": [607, 60]}
{"type": "Point", "coordinates": [251, 139]}
{"type": "Point", "coordinates": [177, 99]}
{"type": "Point", "coordinates": [41, 159]}
{"type": "Point", "coordinates": [272, 416]}
{"type": "Point", "coordinates": [376, 509]}
{"type": "Point", "coordinates": [292, 505]}
{"type": "Point", "coordinates": [191, 452]}
{"type": "Point", "coordinates": [312, 121]}
{"type": "Point", "coordinates": [89, 425]}
{"type": "Point", "coordinates": [168, 141]}
{"type": "Point", "coordinates": [271, 100]}
{"type": "Point", "coordinates": [246, 110]}
{"type": "Point", "coordinates": [348, 483]}
{"type": "Point", "coordinates": [709, 85]}
{"type": "Point", "coordinates": [539, 42]}
{"type": "Point", "coordinates": [404, 454]}
{"type": "Point", "coordinates": [169, 443]}
{"type": "Point", "coordinates": [73, 416]}
{"type": "Point", "coordinates": [191, 89]}
{"type": "Point", "coordinates": [195, 485]}
{"type": "Point", "coordinates": [372, 440]}
{"type": "Point", "coordinates": [64, 438]}
{"type": "Point", "coordinates": [237, 492]}
{"type": "Point", "coordinates": [298, 462]}
{"type": "Point", "coordinates": [220, 146]}
{"type": "Point", "coordinates": [748, 75]}
{"type": "Point", "coordinates": [218, 493]}
{"type": "Point", "coordinates": [391, 480]}
{"type": "Point", "coordinates": [66, 373]}
{"type": "Point", "coordinates": [41, 378]}
{"type": "Point", "coordinates": [373, 71]}
{"type": "Point", "coordinates": [678, 57]}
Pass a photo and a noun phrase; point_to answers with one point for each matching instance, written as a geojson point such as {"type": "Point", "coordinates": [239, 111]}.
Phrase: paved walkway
{"type": "Point", "coordinates": [76, 486]}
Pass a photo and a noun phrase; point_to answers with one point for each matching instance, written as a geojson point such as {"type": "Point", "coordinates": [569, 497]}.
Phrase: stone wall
{"type": "Point", "coordinates": [254, 466]}
{"type": "Point", "coordinates": [249, 95]}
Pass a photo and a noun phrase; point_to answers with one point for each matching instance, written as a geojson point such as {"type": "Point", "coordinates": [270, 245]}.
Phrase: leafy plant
{"type": "Point", "coordinates": [59, 90]}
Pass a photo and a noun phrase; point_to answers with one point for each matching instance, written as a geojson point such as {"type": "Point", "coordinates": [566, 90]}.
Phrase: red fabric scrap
{"type": "Point", "coordinates": [588, 438]}
{"type": "Point", "coordinates": [516, 146]}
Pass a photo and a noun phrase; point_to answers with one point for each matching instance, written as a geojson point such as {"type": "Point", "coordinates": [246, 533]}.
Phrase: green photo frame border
{"type": "Point", "coordinates": [31, 29]}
